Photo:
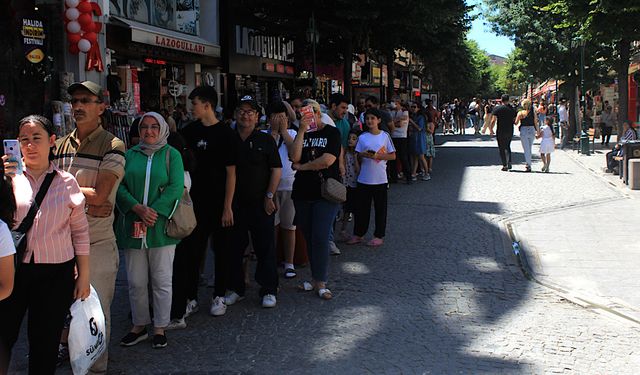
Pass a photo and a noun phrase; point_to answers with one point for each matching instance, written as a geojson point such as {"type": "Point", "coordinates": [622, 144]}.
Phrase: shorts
{"type": "Point", "coordinates": [286, 211]}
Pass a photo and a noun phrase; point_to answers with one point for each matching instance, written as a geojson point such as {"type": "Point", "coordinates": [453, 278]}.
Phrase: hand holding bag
{"type": "Point", "coordinates": [183, 219]}
{"type": "Point", "coordinates": [19, 235]}
{"type": "Point", "coordinates": [332, 190]}
{"type": "Point", "coordinates": [87, 333]}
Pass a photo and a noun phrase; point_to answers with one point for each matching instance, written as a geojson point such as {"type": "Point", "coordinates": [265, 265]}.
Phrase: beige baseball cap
{"type": "Point", "coordinates": [92, 87]}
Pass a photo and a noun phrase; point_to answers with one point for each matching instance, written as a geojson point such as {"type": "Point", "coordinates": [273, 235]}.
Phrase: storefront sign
{"type": "Point", "coordinates": [249, 43]}
{"type": "Point", "coordinates": [172, 42]}
{"type": "Point", "coordinates": [33, 39]}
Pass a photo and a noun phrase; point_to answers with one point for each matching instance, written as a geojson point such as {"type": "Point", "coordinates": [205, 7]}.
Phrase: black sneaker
{"type": "Point", "coordinates": [159, 341]}
{"type": "Point", "coordinates": [133, 338]}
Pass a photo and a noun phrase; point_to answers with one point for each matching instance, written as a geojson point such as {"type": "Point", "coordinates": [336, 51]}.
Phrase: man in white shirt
{"type": "Point", "coordinates": [563, 118]}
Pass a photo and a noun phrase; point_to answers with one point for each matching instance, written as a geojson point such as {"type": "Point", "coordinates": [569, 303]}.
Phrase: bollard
{"type": "Point", "coordinates": [634, 174]}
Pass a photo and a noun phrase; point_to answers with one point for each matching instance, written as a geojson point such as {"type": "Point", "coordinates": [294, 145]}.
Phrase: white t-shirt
{"type": "Point", "coordinates": [401, 129]}
{"type": "Point", "coordinates": [563, 114]}
{"type": "Point", "coordinates": [288, 174]}
{"type": "Point", "coordinates": [374, 172]}
{"type": "Point", "coordinates": [326, 119]}
{"type": "Point", "coordinates": [6, 242]}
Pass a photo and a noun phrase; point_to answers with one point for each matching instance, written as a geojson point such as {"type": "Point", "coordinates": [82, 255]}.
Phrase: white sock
{"type": "Point", "coordinates": [289, 265]}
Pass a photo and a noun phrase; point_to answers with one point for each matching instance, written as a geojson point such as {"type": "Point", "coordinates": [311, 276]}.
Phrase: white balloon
{"type": "Point", "coordinates": [73, 27]}
{"type": "Point", "coordinates": [72, 3]}
{"type": "Point", "coordinates": [84, 45]}
{"type": "Point", "coordinates": [72, 14]}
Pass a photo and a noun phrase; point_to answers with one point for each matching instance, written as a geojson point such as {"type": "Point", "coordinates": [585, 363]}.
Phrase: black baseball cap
{"type": "Point", "coordinates": [248, 99]}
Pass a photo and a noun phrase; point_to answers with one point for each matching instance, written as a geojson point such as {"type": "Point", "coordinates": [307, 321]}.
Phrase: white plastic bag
{"type": "Point", "coordinates": [87, 335]}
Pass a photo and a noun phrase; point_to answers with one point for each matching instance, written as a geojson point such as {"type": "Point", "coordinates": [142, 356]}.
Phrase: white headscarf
{"type": "Point", "coordinates": [162, 135]}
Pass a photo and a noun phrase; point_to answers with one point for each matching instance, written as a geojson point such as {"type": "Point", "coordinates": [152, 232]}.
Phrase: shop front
{"type": "Point", "coordinates": [157, 56]}
{"type": "Point", "coordinates": [31, 55]}
{"type": "Point", "coordinates": [257, 65]}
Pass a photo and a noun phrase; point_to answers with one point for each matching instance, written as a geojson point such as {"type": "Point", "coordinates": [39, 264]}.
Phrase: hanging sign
{"type": "Point", "coordinates": [33, 39]}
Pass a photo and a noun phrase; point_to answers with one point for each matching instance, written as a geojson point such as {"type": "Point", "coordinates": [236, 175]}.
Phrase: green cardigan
{"type": "Point", "coordinates": [165, 189]}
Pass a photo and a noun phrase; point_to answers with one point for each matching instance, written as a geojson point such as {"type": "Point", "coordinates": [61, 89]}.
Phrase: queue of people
{"type": "Point", "coordinates": [81, 198]}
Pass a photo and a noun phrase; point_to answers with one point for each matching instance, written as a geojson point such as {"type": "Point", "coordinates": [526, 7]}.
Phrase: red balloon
{"type": "Point", "coordinates": [73, 49]}
{"type": "Point", "coordinates": [84, 20]}
{"type": "Point", "coordinates": [73, 38]}
{"type": "Point", "coordinates": [85, 7]}
{"type": "Point", "coordinates": [89, 28]}
{"type": "Point", "coordinates": [92, 37]}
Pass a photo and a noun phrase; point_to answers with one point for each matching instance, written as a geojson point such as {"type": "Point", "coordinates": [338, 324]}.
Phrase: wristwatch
{"type": "Point", "coordinates": [269, 195]}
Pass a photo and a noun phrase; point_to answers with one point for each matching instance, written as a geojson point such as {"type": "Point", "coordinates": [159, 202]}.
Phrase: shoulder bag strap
{"type": "Point", "coordinates": [27, 222]}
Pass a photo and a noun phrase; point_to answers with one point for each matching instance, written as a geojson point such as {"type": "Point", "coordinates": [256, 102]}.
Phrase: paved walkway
{"type": "Point", "coordinates": [590, 250]}
{"type": "Point", "coordinates": [444, 295]}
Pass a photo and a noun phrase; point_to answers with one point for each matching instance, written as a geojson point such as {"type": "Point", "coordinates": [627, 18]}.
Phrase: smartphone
{"type": "Point", "coordinates": [12, 149]}
{"type": "Point", "coordinates": [307, 112]}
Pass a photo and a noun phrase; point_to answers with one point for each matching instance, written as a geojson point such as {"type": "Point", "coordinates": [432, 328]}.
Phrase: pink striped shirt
{"type": "Point", "coordinates": [60, 229]}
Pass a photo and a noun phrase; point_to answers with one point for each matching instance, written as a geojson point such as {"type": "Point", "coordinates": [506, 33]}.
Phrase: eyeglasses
{"type": "Point", "coordinates": [248, 112]}
{"type": "Point", "coordinates": [84, 101]}
{"type": "Point", "coordinates": [152, 127]}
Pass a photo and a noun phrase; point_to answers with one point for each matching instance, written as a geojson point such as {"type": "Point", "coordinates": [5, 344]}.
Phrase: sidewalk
{"type": "Point", "coordinates": [588, 252]}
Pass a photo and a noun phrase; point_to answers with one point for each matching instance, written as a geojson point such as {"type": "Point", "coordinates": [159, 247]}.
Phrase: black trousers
{"type": "Point", "coordinates": [402, 156]}
{"type": "Point", "coordinates": [606, 134]}
{"type": "Point", "coordinates": [190, 254]}
{"type": "Point", "coordinates": [504, 146]}
{"type": "Point", "coordinates": [251, 218]}
{"type": "Point", "coordinates": [46, 292]}
{"type": "Point", "coordinates": [366, 193]}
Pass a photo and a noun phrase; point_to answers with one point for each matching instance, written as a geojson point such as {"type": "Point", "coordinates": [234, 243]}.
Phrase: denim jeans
{"type": "Point", "coordinates": [315, 219]}
{"type": "Point", "coordinates": [527, 136]}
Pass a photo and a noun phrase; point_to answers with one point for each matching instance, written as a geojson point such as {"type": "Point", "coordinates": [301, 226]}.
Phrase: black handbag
{"type": "Point", "coordinates": [19, 235]}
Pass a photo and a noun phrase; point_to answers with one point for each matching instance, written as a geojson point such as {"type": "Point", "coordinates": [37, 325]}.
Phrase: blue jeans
{"type": "Point", "coordinates": [527, 136]}
{"type": "Point", "coordinates": [315, 219]}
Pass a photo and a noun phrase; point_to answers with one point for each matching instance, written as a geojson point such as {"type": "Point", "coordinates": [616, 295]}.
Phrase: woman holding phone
{"type": "Point", "coordinates": [57, 243]}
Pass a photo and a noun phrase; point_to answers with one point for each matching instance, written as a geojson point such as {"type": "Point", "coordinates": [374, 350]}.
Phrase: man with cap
{"type": "Point", "coordinates": [96, 158]}
{"type": "Point", "coordinates": [258, 175]}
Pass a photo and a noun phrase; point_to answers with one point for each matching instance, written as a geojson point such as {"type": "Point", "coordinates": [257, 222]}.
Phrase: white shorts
{"type": "Point", "coordinates": [286, 211]}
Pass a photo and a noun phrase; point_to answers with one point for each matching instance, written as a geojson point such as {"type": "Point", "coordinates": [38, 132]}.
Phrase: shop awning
{"type": "Point", "coordinates": [159, 37]}
{"type": "Point", "coordinates": [549, 85]}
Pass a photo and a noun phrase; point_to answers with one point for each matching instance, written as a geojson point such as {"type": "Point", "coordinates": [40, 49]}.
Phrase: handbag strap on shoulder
{"type": "Point", "coordinates": [27, 222]}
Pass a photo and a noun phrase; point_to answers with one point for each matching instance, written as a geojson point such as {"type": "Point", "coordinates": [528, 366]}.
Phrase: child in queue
{"type": "Point", "coordinates": [374, 148]}
{"type": "Point", "coordinates": [350, 179]}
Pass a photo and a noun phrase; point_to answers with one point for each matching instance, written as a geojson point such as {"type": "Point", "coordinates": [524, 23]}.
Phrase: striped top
{"type": "Point", "coordinates": [99, 152]}
{"type": "Point", "coordinates": [60, 230]}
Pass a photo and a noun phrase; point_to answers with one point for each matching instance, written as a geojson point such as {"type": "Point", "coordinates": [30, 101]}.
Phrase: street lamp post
{"type": "Point", "coordinates": [312, 37]}
{"type": "Point", "coordinates": [584, 138]}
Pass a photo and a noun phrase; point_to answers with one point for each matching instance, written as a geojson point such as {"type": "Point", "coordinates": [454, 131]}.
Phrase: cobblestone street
{"type": "Point", "coordinates": [443, 295]}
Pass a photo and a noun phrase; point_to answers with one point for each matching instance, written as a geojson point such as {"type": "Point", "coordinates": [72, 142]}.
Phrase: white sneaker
{"type": "Point", "coordinates": [426, 177]}
{"type": "Point", "coordinates": [176, 324]}
{"type": "Point", "coordinates": [218, 308]}
{"type": "Point", "coordinates": [232, 297]}
{"type": "Point", "coordinates": [333, 249]}
{"type": "Point", "coordinates": [269, 300]}
{"type": "Point", "coordinates": [192, 308]}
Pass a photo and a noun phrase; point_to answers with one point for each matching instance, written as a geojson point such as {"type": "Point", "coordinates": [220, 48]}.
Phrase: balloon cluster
{"type": "Point", "coordinates": [82, 31]}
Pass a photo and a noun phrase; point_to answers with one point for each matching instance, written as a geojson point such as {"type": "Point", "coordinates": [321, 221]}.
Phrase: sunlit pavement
{"type": "Point", "coordinates": [444, 295]}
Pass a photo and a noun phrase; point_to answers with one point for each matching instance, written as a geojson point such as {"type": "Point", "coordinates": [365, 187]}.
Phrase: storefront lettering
{"type": "Point", "coordinates": [179, 44]}
{"type": "Point", "coordinates": [250, 43]}
{"type": "Point", "coordinates": [32, 32]}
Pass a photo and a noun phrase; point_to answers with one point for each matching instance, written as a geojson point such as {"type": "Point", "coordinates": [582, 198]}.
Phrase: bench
{"type": "Point", "coordinates": [591, 134]}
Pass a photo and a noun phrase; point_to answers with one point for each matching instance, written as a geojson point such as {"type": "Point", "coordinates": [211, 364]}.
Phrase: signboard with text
{"type": "Point", "coordinates": [33, 36]}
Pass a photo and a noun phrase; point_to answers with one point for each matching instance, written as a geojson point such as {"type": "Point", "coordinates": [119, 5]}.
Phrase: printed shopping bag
{"type": "Point", "coordinates": [87, 335]}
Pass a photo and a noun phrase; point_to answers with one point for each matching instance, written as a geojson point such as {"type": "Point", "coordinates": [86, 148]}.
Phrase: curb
{"type": "Point", "coordinates": [529, 264]}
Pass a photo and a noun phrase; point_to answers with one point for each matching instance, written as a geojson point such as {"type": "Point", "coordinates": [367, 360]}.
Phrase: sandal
{"type": "Point", "coordinates": [305, 287]}
{"type": "Point", "coordinates": [325, 294]}
{"type": "Point", "coordinates": [375, 242]}
{"type": "Point", "coordinates": [354, 240]}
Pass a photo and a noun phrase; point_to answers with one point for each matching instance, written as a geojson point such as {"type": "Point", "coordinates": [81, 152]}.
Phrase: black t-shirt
{"type": "Point", "coordinates": [214, 147]}
{"type": "Point", "coordinates": [306, 186]}
{"type": "Point", "coordinates": [506, 117]}
{"type": "Point", "coordinates": [385, 121]}
{"type": "Point", "coordinates": [258, 154]}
